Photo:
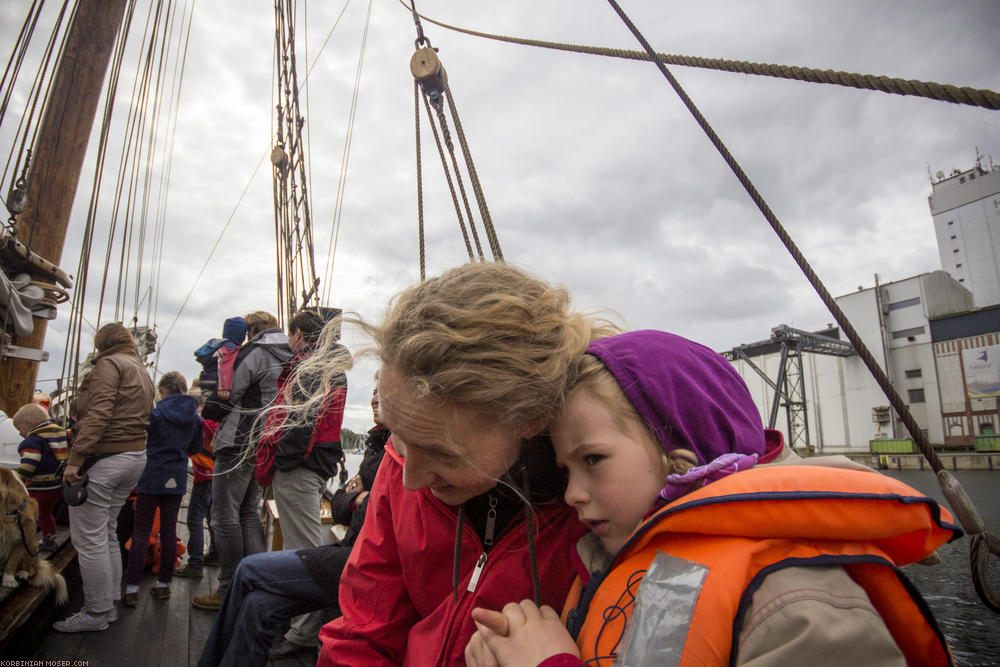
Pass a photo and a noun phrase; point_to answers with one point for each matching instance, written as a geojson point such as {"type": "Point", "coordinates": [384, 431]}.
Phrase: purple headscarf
{"type": "Point", "coordinates": [691, 398]}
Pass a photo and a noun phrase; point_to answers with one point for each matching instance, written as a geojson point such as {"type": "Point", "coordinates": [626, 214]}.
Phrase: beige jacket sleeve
{"type": "Point", "coordinates": [102, 387]}
{"type": "Point", "coordinates": [814, 616]}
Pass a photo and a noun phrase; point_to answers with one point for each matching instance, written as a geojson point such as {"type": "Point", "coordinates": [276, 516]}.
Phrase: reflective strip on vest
{"type": "Point", "coordinates": [658, 628]}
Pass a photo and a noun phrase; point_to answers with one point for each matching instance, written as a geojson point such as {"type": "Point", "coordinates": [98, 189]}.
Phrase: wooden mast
{"type": "Point", "coordinates": [56, 162]}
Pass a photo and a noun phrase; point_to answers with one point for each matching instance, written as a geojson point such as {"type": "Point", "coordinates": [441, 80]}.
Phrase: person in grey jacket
{"type": "Point", "coordinates": [235, 492]}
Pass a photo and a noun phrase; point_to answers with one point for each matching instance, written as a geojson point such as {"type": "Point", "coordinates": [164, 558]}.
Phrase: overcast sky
{"type": "Point", "coordinates": [596, 175]}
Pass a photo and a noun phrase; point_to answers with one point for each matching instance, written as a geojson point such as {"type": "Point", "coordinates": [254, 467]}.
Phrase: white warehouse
{"type": "Point", "coordinates": [840, 408]}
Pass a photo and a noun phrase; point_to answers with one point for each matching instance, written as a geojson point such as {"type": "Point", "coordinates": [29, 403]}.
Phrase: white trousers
{"type": "Point", "coordinates": [93, 525]}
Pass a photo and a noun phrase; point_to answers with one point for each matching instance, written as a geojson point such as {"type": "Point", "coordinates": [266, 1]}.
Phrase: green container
{"type": "Point", "coordinates": [893, 446]}
{"type": "Point", "coordinates": [988, 443]}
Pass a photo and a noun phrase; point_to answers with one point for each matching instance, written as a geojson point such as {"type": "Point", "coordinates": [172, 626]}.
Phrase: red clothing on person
{"type": "Point", "coordinates": [226, 357]}
{"type": "Point", "coordinates": [396, 592]}
{"type": "Point", "coordinates": [202, 462]}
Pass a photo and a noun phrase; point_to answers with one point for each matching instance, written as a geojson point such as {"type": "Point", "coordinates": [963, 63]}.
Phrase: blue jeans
{"type": "Point", "coordinates": [235, 503]}
{"type": "Point", "coordinates": [198, 506]}
{"type": "Point", "coordinates": [267, 590]}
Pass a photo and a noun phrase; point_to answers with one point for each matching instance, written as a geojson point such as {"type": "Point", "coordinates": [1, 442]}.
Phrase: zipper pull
{"type": "Point", "coordinates": [480, 564]}
{"type": "Point", "coordinates": [491, 522]}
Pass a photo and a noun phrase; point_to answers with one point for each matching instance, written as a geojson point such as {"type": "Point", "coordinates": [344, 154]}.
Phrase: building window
{"type": "Point", "coordinates": [907, 333]}
{"type": "Point", "coordinates": [961, 280]}
{"type": "Point", "coordinates": [951, 222]}
{"type": "Point", "coordinates": [915, 373]}
{"type": "Point", "coordinates": [962, 179]}
{"type": "Point", "coordinates": [955, 250]}
{"type": "Point", "coordinates": [916, 395]}
{"type": "Point", "coordinates": [905, 303]}
{"type": "Point", "coordinates": [953, 237]}
{"type": "Point", "coordinates": [958, 266]}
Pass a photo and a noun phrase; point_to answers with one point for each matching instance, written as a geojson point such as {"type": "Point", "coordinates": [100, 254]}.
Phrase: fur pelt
{"type": "Point", "coordinates": [19, 554]}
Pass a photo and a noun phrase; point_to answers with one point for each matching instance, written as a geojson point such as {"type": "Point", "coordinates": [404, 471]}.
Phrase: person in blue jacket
{"type": "Point", "coordinates": [175, 432]}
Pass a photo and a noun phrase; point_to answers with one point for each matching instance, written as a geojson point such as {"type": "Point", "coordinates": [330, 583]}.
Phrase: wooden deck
{"type": "Point", "coordinates": [166, 633]}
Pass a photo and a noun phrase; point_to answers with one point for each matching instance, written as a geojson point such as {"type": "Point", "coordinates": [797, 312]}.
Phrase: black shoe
{"type": "Point", "coordinates": [188, 571]}
{"type": "Point", "coordinates": [285, 649]}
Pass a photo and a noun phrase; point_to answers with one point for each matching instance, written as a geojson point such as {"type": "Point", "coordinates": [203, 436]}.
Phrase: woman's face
{"type": "Point", "coordinates": [452, 451]}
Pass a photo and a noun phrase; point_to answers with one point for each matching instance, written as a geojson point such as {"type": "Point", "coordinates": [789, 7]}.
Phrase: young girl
{"type": "Point", "coordinates": [700, 552]}
{"type": "Point", "coordinates": [174, 434]}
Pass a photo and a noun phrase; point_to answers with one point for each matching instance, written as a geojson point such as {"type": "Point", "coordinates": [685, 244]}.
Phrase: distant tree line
{"type": "Point", "coordinates": [349, 440]}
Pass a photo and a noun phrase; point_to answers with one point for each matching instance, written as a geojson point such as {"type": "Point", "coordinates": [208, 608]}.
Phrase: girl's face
{"type": "Point", "coordinates": [614, 476]}
{"type": "Point", "coordinates": [450, 450]}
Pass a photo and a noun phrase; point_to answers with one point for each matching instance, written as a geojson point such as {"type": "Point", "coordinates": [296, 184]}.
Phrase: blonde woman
{"type": "Point", "coordinates": [465, 510]}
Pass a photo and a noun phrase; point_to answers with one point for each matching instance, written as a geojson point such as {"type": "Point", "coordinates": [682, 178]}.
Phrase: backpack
{"type": "Point", "coordinates": [208, 380]}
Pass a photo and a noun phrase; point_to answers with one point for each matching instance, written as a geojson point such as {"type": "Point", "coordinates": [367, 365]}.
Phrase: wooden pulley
{"type": "Point", "coordinates": [428, 70]}
{"type": "Point", "coordinates": [279, 158]}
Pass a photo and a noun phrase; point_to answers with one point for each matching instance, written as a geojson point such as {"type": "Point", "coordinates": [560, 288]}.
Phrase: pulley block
{"type": "Point", "coordinates": [428, 71]}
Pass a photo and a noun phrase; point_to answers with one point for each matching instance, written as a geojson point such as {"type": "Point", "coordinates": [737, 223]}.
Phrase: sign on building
{"type": "Point", "coordinates": [982, 371]}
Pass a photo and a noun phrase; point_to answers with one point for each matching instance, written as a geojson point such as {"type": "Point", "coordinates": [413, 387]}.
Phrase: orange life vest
{"type": "Point", "coordinates": [745, 526]}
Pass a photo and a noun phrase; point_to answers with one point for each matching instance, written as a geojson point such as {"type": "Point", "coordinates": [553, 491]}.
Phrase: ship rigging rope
{"type": "Point", "coordinates": [981, 542]}
{"type": "Point", "coordinates": [71, 357]}
{"type": "Point", "coordinates": [980, 97]}
{"type": "Point", "coordinates": [139, 208]}
{"type": "Point", "coordinates": [35, 95]}
{"type": "Point", "coordinates": [432, 80]}
{"type": "Point", "coordinates": [135, 169]}
{"type": "Point", "coordinates": [451, 183]}
{"type": "Point", "coordinates": [17, 55]}
{"type": "Point", "coordinates": [179, 69]}
{"type": "Point", "coordinates": [239, 201]}
{"type": "Point", "coordinates": [345, 158]}
{"type": "Point", "coordinates": [421, 252]}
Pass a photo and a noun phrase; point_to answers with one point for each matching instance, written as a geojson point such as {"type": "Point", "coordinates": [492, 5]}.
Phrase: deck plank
{"type": "Point", "coordinates": [199, 621]}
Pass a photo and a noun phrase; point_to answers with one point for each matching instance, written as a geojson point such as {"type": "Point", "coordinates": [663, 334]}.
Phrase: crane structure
{"type": "Point", "coordinates": [789, 388]}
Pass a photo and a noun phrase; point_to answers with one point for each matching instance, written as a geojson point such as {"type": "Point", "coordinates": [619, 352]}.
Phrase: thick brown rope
{"type": "Point", "coordinates": [982, 543]}
{"type": "Point", "coordinates": [446, 135]}
{"type": "Point", "coordinates": [979, 97]}
{"type": "Point", "coordinates": [451, 182]}
{"type": "Point", "coordinates": [477, 187]}
{"type": "Point", "coordinates": [420, 184]}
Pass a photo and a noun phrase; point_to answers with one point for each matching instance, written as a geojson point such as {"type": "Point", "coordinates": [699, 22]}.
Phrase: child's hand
{"type": "Point", "coordinates": [523, 634]}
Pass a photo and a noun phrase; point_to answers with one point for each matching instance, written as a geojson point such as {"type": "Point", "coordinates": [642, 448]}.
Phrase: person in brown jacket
{"type": "Point", "coordinates": [114, 403]}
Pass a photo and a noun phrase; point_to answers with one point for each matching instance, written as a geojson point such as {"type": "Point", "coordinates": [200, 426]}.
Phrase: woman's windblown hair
{"type": "Point", "coordinates": [311, 384]}
{"type": "Point", "coordinates": [488, 337]}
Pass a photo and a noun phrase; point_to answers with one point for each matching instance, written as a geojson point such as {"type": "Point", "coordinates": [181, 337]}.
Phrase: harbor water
{"type": "Point", "coordinates": [973, 631]}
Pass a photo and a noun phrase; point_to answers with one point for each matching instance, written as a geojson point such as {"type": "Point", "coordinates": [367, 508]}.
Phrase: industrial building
{"type": "Point", "coordinates": [937, 336]}
{"type": "Point", "coordinates": [828, 401]}
{"type": "Point", "coordinates": [965, 206]}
